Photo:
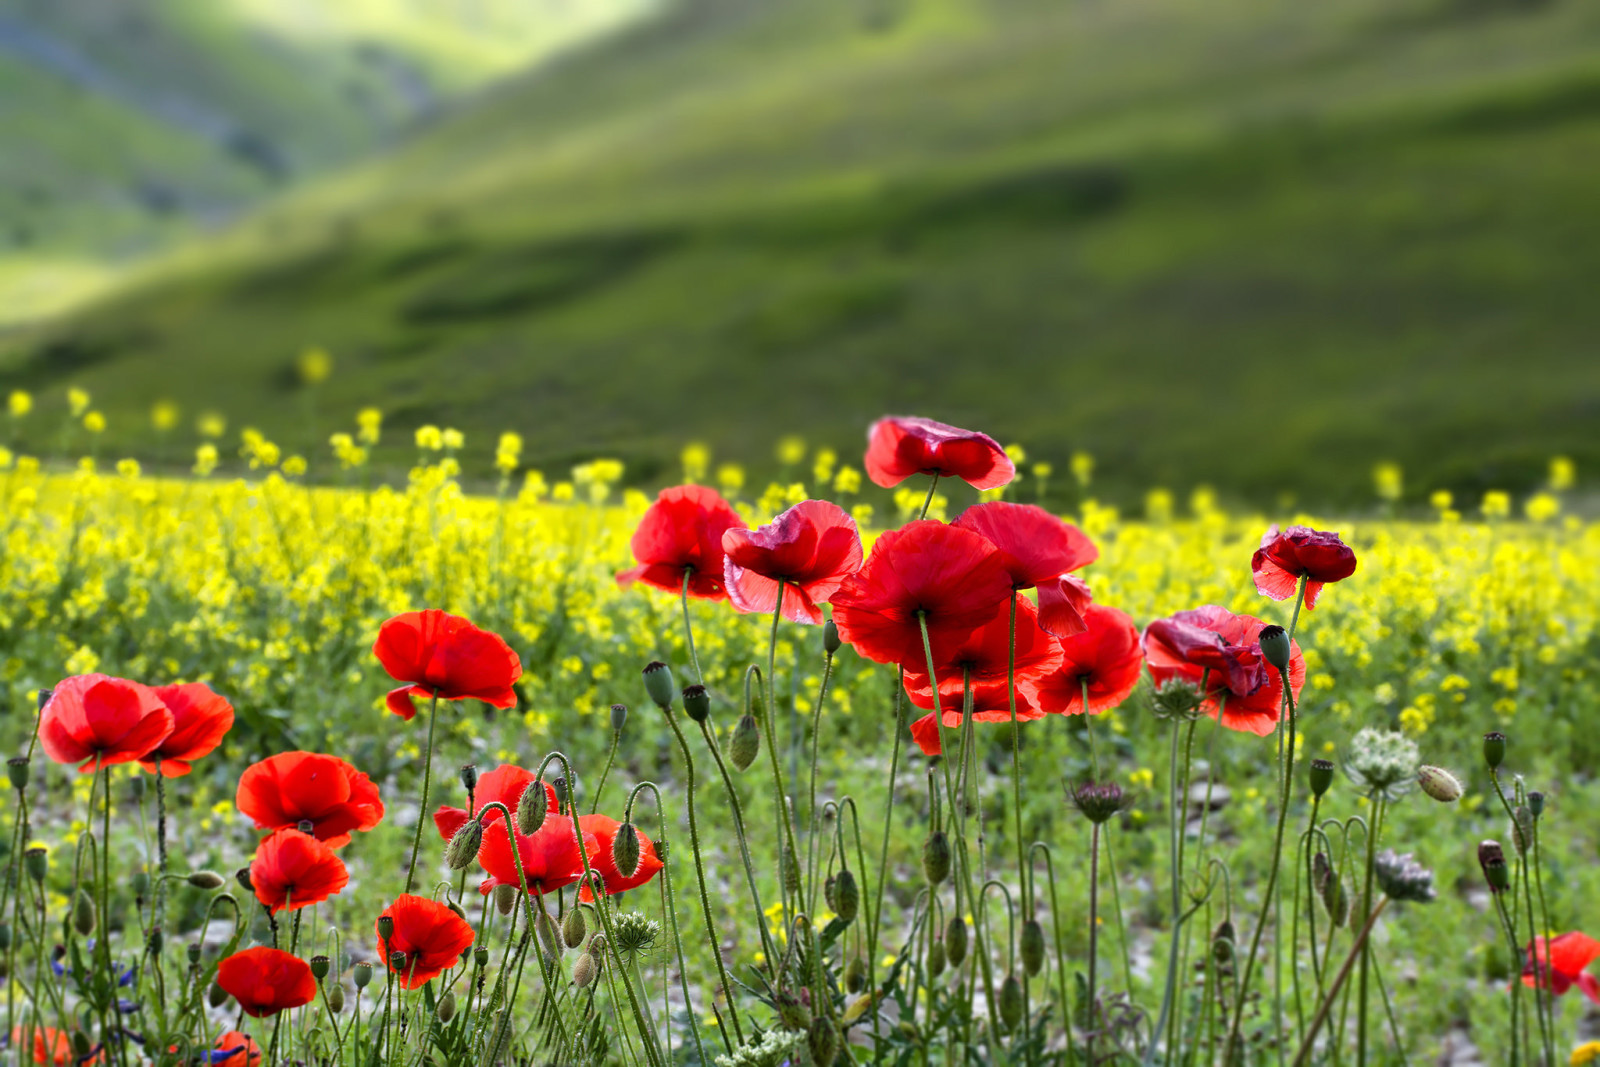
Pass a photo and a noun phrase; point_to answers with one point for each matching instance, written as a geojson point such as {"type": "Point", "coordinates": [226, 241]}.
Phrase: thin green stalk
{"type": "Point", "coordinates": [1094, 938]}
{"type": "Point", "coordinates": [883, 855]}
{"type": "Point", "coordinates": [1509, 927]}
{"type": "Point", "coordinates": [811, 803]}
{"type": "Point", "coordinates": [688, 630]}
{"type": "Point", "coordinates": [611, 758]}
{"type": "Point", "coordinates": [427, 781]}
{"type": "Point", "coordinates": [739, 834]}
{"type": "Point", "coordinates": [1366, 951]}
{"type": "Point", "coordinates": [1544, 923]}
{"type": "Point", "coordinates": [927, 501]}
{"type": "Point", "coordinates": [1356, 950]}
{"type": "Point", "coordinates": [788, 854]}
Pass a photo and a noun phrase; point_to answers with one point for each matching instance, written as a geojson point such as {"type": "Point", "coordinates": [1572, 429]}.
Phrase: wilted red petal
{"type": "Point", "coordinates": [1062, 604]}
{"type": "Point", "coordinates": [899, 446]}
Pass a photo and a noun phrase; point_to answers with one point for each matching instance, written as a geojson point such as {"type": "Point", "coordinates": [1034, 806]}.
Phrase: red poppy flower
{"type": "Point", "coordinates": [1063, 602]}
{"type": "Point", "coordinates": [682, 532]}
{"type": "Point", "coordinates": [1211, 639]}
{"type": "Point", "coordinates": [550, 858]}
{"type": "Point", "coordinates": [603, 829]}
{"type": "Point", "coordinates": [1564, 962]}
{"type": "Point", "coordinates": [97, 720]}
{"type": "Point", "coordinates": [951, 576]}
{"type": "Point", "coordinates": [506, 784]}
{"type": "Point", "coordinates": [1106, 656]}
{"type": "Point", "coordinates": [1284, 558]}
{"type": "Point", "coordinates": [899, 446]}
{"type": "Point", "coordinates": [926, 734]}
{"type": "Point", "coordinates": [292, 870]}
{"type": "Point", "coordinates": [237, 1050]}
{"type": "Point", "coordinates": [431, 935]}
{"type": "Point", "coordinates": [200, 718]}
{"type": "Point", "coordinates": [446, 656]}
{"type": "Point", "coordinates": [266, 981]}
{"type": "Point", "coordinates": [285, 790]}
{"type": "Point", "coordinates": [981, 657]}
{"type": "Point", "coordinates": [51, 1046]}
{"type": "Point", "coordinates": [812, 547]}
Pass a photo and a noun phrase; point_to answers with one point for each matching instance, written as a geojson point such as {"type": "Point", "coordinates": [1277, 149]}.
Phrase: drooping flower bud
{"type": "Point", "coordinates": [206, 880]}
{"type": "Point", "coordinates": [1321, 775]}
{"type": "Point", "coordinates": [532, 807]}
{"type": "Point", "coordinates": [216, 996]}
{"type": "Point", "coordinates": [464, 845]}
{"type": "Point", "coordinates": [1222, 942]}
{"type": "Point", "coordinates": [658, 684]}
{"type": "Point", "coordinates": [549, 936]}
{"type": "Point", "coordinates": [242, 876]}
{"type": "Point", "coordinates": [847, 896]}
{"type": "Point", "coordinates": [1492, 858]}
{"type": "Point", "coordinates": [141, 885]}
{"type": "Point", "coordinates": [20, 771]}
{"type": "Point", "coordinates": [469, 776]}
{"type": "Point", "coordinates": [619, 717]}
{"type": "Point", "coordinates": [936, 857]}
{"type": "Point", "coordinates": [505, 898]}
{"type": "Point", "coordinates": [457, 909]}
{"type": "Point", "coordinates": [585, 971]}
{"type": "Point", "coordinates": [1494, 748]}
{"type": "Point", "coordinates": [936, 959]}
{"type": "Point", "coordinates": [746, 743]}
{"type": "Point", "coordinates": [84, 914]}
{"type": "Point", "coordinates": [625, 849]}
{"type": "Point", "coordinates": [1010, 1002]}
{"type": "Point", "coordinates": [830, 638]}
{"type": "Point", "coordinates": [1439, 784]}
{"type": "Point", "coordinates": [822, 1038]}
{"type": "Point", "coordinates": [336, 998]}
{"type": "Point", "coordinates": [192, 951]}
{"type": "Point", "coordinates": [319, 967]}
{"type": "Point", "coordinates": [696, 702]}
{"type": "Point", "coordinates": [81, 1048]}
{"type": "Point", "coordinates": [791, 870]}
{"type": "Point", "coordinates": [1031, 948]}
{"type": "Point", "coordinates": [855, 975]}
{"type": "Point", "coordinates": [447, 1007]}
{"type": "Point", "coordinates": [1275, 646]}
{"type": "Point", "coordinates": [361, 974]}
{"type": "Point", "coordinates": [955, 940]}
{"type": "Point", "coordinates": [573, 928]}
{"type": "Point", "coordinates": [1331, 889]}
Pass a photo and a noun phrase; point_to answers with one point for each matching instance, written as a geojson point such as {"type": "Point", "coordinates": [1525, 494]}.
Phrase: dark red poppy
{"type": "Point", "coordinates": [292, 870]}
{"type": "Point", "coordinates": [550, 858]}
{"type": "Point", "coordinates": [682, 533]}
{"type": "Point", "coordinates": [952, 577]}
{"type": "Point", "coordinates": [899, 446]}
{"type": "Point", "coordinates": [603, 829]}
{"type": "Point", "coordinates": [97, 720]}
{"type": "Point", "coordinates": [506, 784]}
{"type": "Point", "coordinates": [285, 790]}
{"type": "Point", "coordinates": [200, 718]}
{"type": "Point", "coordinates": [981, 657]}
{"type": "Point", "coordinates": [266, 981]}
{"type": "Point", "coordinates": [1563, 962]}
{"type": "Point", "coordinates": [1105, 656]}
{"type": "Point", "coordinates": [1214, 644]}
{"type": "Point", "coordinates": [237, 1050]}
{"type": "Point", "coordinates": [1284, 558]}
{"type": "Point", "coordinates": [812, 547]}
{"type": "Point", "coordinates": [446, 656]}
{"type": "Point", "coordinates": [431, 936]}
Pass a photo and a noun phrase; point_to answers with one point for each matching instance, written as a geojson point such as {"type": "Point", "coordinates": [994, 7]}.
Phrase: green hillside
{"type": "Point", "coordinates": [1257, 244]}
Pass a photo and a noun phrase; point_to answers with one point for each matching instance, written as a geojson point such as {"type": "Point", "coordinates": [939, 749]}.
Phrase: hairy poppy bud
{"type": "Point", "coordinates": [81, 1048]}
{"type": "Point", "coordinates": [464, 845]}
{"type": "Point", "coordinates": [847, 896]}
{"type": "Point", "coordinates": [791, 870]}
{"type": "Point", "coordinates": [936, 857]}
{"type": "Point", "coordinates": [792, 1011]}
{"type": "Point", "coordinates": [1330, 887]}
{"type": "Point", "coordinates": [1275, 646]}
{"type": "Point", "coordinates": [505, 898]}
{"type": "Point", "coordinates": [1494, 748]}
{"type": "Point", "coordinates": [1011, 1002]}
{"type": "Point", "coordinates": [746, 743]}
{"type": "Point", "coordinates": [955, 940]}
{"type": "Point", "coordinates": [216, 996]}
{"type": "Point", "coordinates": [855, 975]}
{"type": "Point", "coordinates": [532, 807]}
{"type": "Point", "coordinates": [549, 936]}
{"type": "Point", "coordinates": [573, 929]}
{"type": "Point", "coordinates": [1492, 858]}
{"type": "Point", "coordinates": [206, 880]}
{"type": "Point", "coordinates": [156, 941]}
{"type": "Point", "coordinates": [559, 785]}
{"type": "Point", "coordinates": [625, 849]}
{"type": "Point", "coordinates": [1536, 803]}
{"type": "Point", "coordinates": [84, 914]}
{"type": "Point", "coordinates": [361, 974]}
{"type": "Point", "coordinates": [585, 971]}
{"type": "Point", "coordinates": [469, 776]}
{"type": "Point", "coordinates": [1031, 948]}
{"type": "Point", "coordinates": [619, 717]}
{"type": "Point", "coordinates": [822, 1038]}
{"type": "Point", "coordinates": [658, 684]}
{"type": "Point", "coordinates": [141, 884]}
{"type": "Point", "coordinates": [1321, 775]}
{"type": "Point", "coordinates": [1521, 829]}
{"type": "Point", "coordinates": [696, 702]}
{"type": "Point", "coordinates": [37, 862]}
{"type": "Point", "coordinates": [20, 771]}
{"type": "Point", "coordinates": [1439, 784]}
{"type": "Point", "coordinates": [936, 959]}
{"type": "Point", "coordinates": [319, 967]}
{"type": "Point", "coordinates": [459, 911]}
{"type": "Point", "coordinates": [661, 851]}
{"type": "Point", "coordinates": [1222, 942]}
{"type": "Point", "coordinates": [447, 1007]}
{"type": "Point", "coordinates": [192, 951]}
{"type": "Point", "coordinates": [830, 637]}
{"type": "Point", "coordinates": [242, 876]}
{"type": "Point", "coordinates": [336, 998]}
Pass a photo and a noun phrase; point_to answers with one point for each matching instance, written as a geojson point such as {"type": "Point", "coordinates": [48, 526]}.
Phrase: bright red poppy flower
{"type": "Point", "coordinates": [1063, 603]}
{"type": "Point", "coordinates": [926, 734]}
{"type": "Point", "coordinates": [506, 784]}
{"type": "Point", "coordinates": [899, 446]}
{"type": "Point", "coordinates": [1040, 550]}
{"type": "Point", "coordinates": [550, 858]}
{"type": "Point", "coordinates": [951, 576]}
{"type": "Point", "coordinates": [431, 936]}
{"type": "Point", "coordinates": [237, 1050]}
{"type": "Point", "coordinates": [266, 981]}
{"type": "Point", "coordinates": [97, 720]}
{"type": "Point", "coordinates": [1564, 962]}
{"type": "Point", "coordinates": [446, 656]}
{"type": "Point", "coordinates": [1215, 644]}
{"type": "Point", "coordinates": [682, 533]}
{"type": "Point", "coordinates": [603, 828]}
{"type": "Point", "coordinates": [285, 790]}
{"type": "Point", "coordinates": [292, 870]}
{"type": "Point", "coordinates": [200, 719]}
{"type": "Point", "coordinates": [812, 548]}
{"type": "Point", "coordinates": [51, 1046]}
{"type": "Point", "coordinates": [981, 657]}
{"type": "Point", "coordinates": [1284, 558]}
{"type": "Point", "coordinates": [1105, 656]}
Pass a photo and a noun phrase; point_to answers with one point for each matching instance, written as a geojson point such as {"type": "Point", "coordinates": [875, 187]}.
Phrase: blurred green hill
{"type": "Point", "coordinates": [1245, 242]}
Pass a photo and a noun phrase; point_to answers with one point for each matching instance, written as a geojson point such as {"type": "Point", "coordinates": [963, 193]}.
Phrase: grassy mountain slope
{"type": "Point", "coordinates": [1252, 243]}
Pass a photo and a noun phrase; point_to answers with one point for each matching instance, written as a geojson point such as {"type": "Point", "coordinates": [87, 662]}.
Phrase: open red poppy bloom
{"type": "Point", "coordinates": [1038, 549]}
{"type": "Point", "coordinates": [200, 718]}
{"type": "Point", "coordinates": [506, 784]}
{"type": "Point", "coordinates": [285, 790]}
{"type": "Point", "coordinates": [51, 1046]}
{"type": "Point", "coordinates": [446, 656]}
{"type": "Point", "coordinates": [1563, 962]}
{"type": "Point", "coordinates": [1063, 603]}
{"type": "Point", "coordinates": [1284, 558]}
{"type": "Point", "coordinates": [97, 720]}
{"type": "Point", "coordinates": [292, 870]}
{"type": "Point", "coordinates": [812, 548]}
{"type": "Point", "coordinates": [266, 981]}
{"type": "Point", "coordinates": [925, 569]}
{"type": "Point", "coordinates": [1215, 645]}
{"type": "Point", "coordinates": [899, 446]}
{"type": "Point", "coordinates": [981, 658]}
{"type": "Point", "coordinates": [237, 1050]}
{"type": "Point", "coordinates": [431, 936]}
{"type": "Point", "coordinates": [603, 830]}
{"type": "Point", "coordinates": [1105, 658]}
{"type": "Point", "coordinates": [682, 533]}
{"type": "Point", "coordinates": [550, 858]}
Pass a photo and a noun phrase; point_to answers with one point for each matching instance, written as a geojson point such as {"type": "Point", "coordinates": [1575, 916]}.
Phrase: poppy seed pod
{"type": "Point", "coordinates": [307, 827]}
{"type": "Point", "coordinates": [361, 974]}
{"type": "Point", "coordinates": [505, 898]}
{"type": "Point", "coordinates": [1492, 858]}
{"type": "Point", "coordinates": [830, 638]}
{"type": "Point", "coordinates": [1536, 803]}
{"type": "Point", "coordinates": [625, 850]}
{"type": "Point", "coordinates": [216, 996]}
{"type": "Point", "coordinates": [1321, 775]}
{"type": "Point", "coordinates": [532, 807]}
{"type": "Point", "coordinates": [936, 960]}
{"type": "Point", "coordinates": [619, 717]}
{"type": "Point", "coordinates": [822, 1038]}
{"type": "Point", "coordinates": [84, 915]}
{"type": "Point", "coordinates": [847, 896]}
{"type": "Point", "coordinates": [463, 847]}
{"type": "Point", "coordinates": [336, 998]}
{"type": "Point", "coordinates": [658, 684]}
{"type": "Point", "coordinates": [1275, 646]}
{"type": "Point", "coordinates": [1098, 801]}
{"type": "Point", "coordinates": [36, 861]}
{"type": "Point", "coordinates": [1439, 784]}
{"type": "Point", "coordinates": [398, 963]}
{"type": "Point", "coordinates": [696, 702]}
{"type": "Point", "coordinates": [319, 967]}
{"type": "Point", "coordinates": [385, 927]}
{"type": "Point", "coordinates": [20, 771]}
{"type": "Point", "coordinates": [936, 857]}
{"type": "Point", "coordinates": [480, 957]}
{"type": "Point", "coordinates": [1031, 948]}
{"type": "Point", "coordinates": [855, 975]}
{"type": "Point", "coordinates": [955, 940]}
{"type": "Point", "coordinates": [447, 1007]}
{"type": "Point", "coordinates": [585, 971]}
{"type": "Point", "coordinates": [746, 743]}
{"type": "Point", "coordinates": [469, 776]}
{"type": "Point", "coordinates": [1010, 1002]}
{"type": "Point", "coordinates": [559, 784]}
{"type": "Point", "coordinates": [206, 880]}
{"type": "Point", "coordinates": [573, 928]}
{"type": "Point", "coordinates": [1494, 748]}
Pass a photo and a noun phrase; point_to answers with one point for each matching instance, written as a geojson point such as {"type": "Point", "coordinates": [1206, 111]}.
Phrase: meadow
{"type": "Point", "coordinates": [1476, 616]}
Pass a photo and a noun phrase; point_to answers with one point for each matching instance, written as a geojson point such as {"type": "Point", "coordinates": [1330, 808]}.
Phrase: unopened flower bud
{"type": "Point", "coordinates": [361, 974]}
{"type": "Point", "coordinates": [136, 789]}
{"type": "Point", "coordinates": [549, 936]}
{"type": "Point", "coordinates": [661, 851]}
{"type": "Point", "coordinates": [81, 1048]}
{"type": "Point", "coordinates": [1439, 784]}
{"type": "Point", "coordinates": [505, 898]}
{"type": "Point", "coordinates": [532, 807]}
{"type": "Point", "coordinates": [242, 876]}
{"type": "Point", "coordinates": [658, 684]}
{"type": "Point", "coordinates": [5, 936]}
{"type": "Point", "coordinates": [830, 637]}
{"type": "Point", "coordinates": [1494, 748]}
{"type": "Point", "coordinates": [619, 717]}
{"type": "Point", "coordinates": [1492, 858]}
{"type": "Point", "coordinates": [585, 971]}
{"type": "Point", "coordinates": [1276, 648]}
{"type": "Point", "coordinates": [1330, 888]}
{"type": "Point", "coordinates": [792, 1011]}
{"type": "Point", "coordinates": [36, 860]}
{"type": "Point", "coordinates": [1222, 942]}
{"type": "Point", "coordinates": [206, 880]}
{"type": "Point", "coordinates": [1011, 1002]}
{"type": "Point", "coordinates": [855, 975]}
{"type": "Point", "coordinates": [385, 928]}
{"type": "Point", "coordinates": [1536, 803]}
{"type": "Point", "coordinates": [216, 996]}
{"type": "Point", "coordinates": [746, 743]}
{"type": "Point", "coordinates": [936, 959]}
{"type": "Point", "coordinates": [141, 884]}
{"type": "Point", "coordinates": [696, 702]}
{"type": "Point", "coordinates": [936, 857]}
{"type": "Point", "coordinates": [84, 914]}
{"type": "Point", "coordinates": [791, 870]}
{"type": "Point", "coordinates": [955, 940]}
{"type": "Point", "coordinates": [822, 1039]}
{"type": "Point", "coordinates": [156, 941]}
{"type": "Point", "coordinates": [1521, 829]}
{"type": "Point", "coordinates": [1098, 801]}
{"type": "Point", "coordinates": [447, 1007]}
{"type": "Point", "coordinates": [469, 776]}
{"type": "Point", "coordinates": [625, 850]}
{"type": "Point", "coordinates": [192, 951]}
{"type": "Point", "coordinates": [1321, 775]}
{"type": "Point", "coordinates": [457, 909]}
{"type": "Point", "coordinates": [464, 845]}
{"type": "Point", "coordinates": [336, 997]}
{"type": "Point", "coordinates": [20, 771]}
{"type": "Point", "coordinates": [830, 887]}
{"type": "Point", "coordinates": [1031, 948]}
{"type": "Point", "coordinates": [573, 928]}
{"type": "Point", "coordinates": [319, 967]}
{"type": "Point", "coordinates": [847, 896]}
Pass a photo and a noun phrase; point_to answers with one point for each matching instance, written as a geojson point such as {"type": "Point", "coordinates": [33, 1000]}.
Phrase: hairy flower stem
{"type": "Point", "coordinates": [899, 730]}
{"type": "Point", "coordinates": [1178, 808]}
{"type": "Point", "coordinates": [739, 834]}
{"type": "Point", "coordinates": [611, 758]}
{"type": "Point", "coordinates": [1509, 926]}
{"type": "Point", "coordinates": [787, 852]}
{"type": "Point", "coordinates": [1366, 949]}
{"type": "Point", "coordinates": [1544, 924]}
{"type": "Point", "coordinates": [1356, 950]}
{"type": "Point", "coordinates": [1094, 939]}
{"type": "Point", "coordinates": [427, 782]}
{"type": "Point", "coordinates": [1016, 805]}
{"type": "Point", "coordinates": [688, 630]}
{"type": "Point", "coordinates": [927, 501]}
{"type": "Point", "coordinates": [812, 812]}
{"type": "Point", "coordinates": [1055, 930]}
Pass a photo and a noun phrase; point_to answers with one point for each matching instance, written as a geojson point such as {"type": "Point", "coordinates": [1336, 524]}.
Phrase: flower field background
{"type": "Point", "coordinates": [273, 591]}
